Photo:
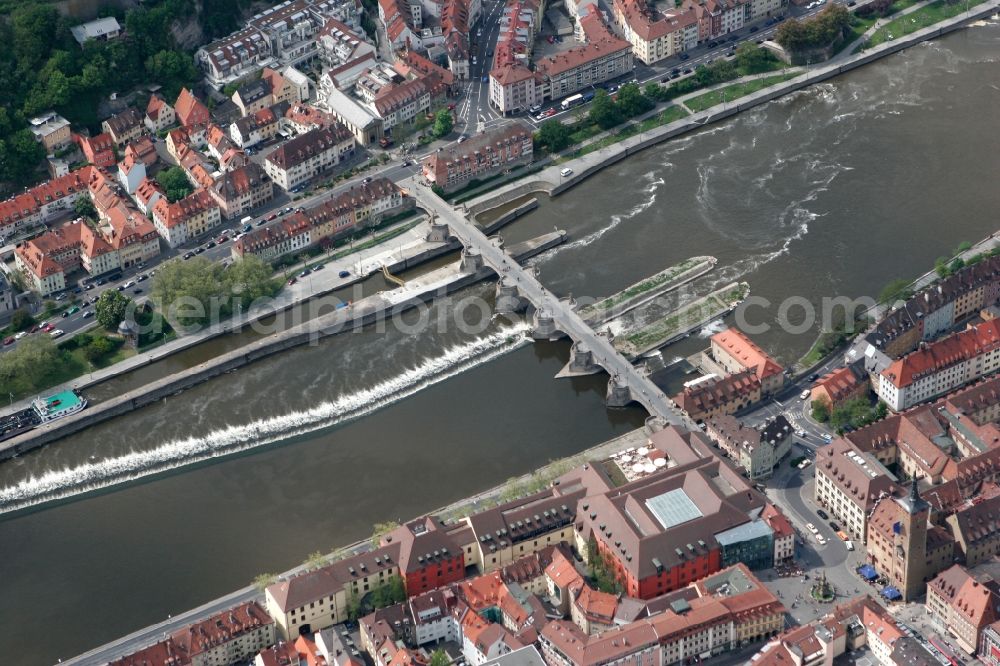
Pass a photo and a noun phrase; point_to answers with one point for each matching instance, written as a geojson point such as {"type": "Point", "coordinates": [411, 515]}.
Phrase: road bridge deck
{"type": "Point", "coordinates": [627, 381]}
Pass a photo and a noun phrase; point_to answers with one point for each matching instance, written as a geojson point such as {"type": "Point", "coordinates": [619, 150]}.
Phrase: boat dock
{"type": "Point", "coordinates": [646, 290]}
{"type": "Point", "coordinates": [680, 322]}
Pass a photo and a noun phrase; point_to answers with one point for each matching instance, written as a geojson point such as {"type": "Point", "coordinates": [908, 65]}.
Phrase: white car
{"type": "Point", "coordinates": [129, 284]}
{"type": "Point", "coordinates": [811, 528]}
{"type": "Point", "coordinates": [805, 395]}
{"type": "Point", "coordinates": [20, 335]}
{"type": "Point", "coordinates": [57, 333]}
{"type": "Point", "coordinates": [566, 172]}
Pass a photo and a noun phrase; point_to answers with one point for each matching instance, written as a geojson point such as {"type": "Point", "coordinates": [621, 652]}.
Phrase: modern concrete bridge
{"type": "Point", "coordinates": [553, 318]}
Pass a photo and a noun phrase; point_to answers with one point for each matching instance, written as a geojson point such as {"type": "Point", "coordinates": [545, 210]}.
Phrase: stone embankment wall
{"type": "Point", "coordinates": [362, 313]}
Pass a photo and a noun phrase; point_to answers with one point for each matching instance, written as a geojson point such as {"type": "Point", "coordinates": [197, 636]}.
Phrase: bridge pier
{"type": "Point", "coordinates": [581, 362]}
{"type": "Point", "coordinates": [508, 298]}
{"type": "Point", "coordinates": [655, 424]}
{"type": "Point", "coordinates": [438, 233]}
{"type": "Point", "coordinates": [619, 394]}
{"type": "Point", "coordinates": [472, 260]}
{"type": "Point", "coordinates": [544, 326]}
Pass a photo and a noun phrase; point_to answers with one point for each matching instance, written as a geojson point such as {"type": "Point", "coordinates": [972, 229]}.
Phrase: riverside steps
{"type": "Point", "coordinates": [552, 318]}
{"type": "Point", "coordinates": [348, 317]}
{"type": "Point", "coordinates": [646, 290]}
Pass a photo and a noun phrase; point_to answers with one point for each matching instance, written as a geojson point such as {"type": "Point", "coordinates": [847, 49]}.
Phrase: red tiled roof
{"type": "Point", "coordinates": [747, 353]}
{"type": "Point", "coordinates": [946, 352]}
{"type": "Point", "coordinates": [189, 109]}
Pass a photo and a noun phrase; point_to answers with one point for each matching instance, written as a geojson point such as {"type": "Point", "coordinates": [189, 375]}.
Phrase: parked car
{"type": "Point", "coordinates": [89, 287]}
{"type": "Point", "coordinates": [344, 274]}
{"type": "Point", "coordinates": [88, 314]}
{"type": "Point", "coordinates": [130, 283]}
{"type": "Point", "coordinates": [62, 297]}
{"type": "Point", "coordinates": [834, 526]}
{"type": "Point", "coordinates": [247, 227]}
{"type": "Point", "coordinates": [48, 328]}
{"type": "Point", "coordinates": [292, 281]}
{"type": "Point", "coordinates": [318, 267]}
{"type": "Point", "coordinates": [9, 340]}
{"type": "Point", "coordinates": [822, 514]}
{"type": "Point", "coordinates": [137, 290]}
{"type": "Point", "coordinates": [566, 172]}
{"type": "Point", "coordinates": [272, 216]}
{"type": "Point", "coordinates": [188, 255]}
{"type": "Point", "coordinates": [209, 245]}
{"type": "Point", "coordinates": [20, 334]}
{"type": "Point", "coordinates": [754, 28]}
{"type": "Point", "coordinates": [57, 333]}
{"type": "Point", "coordinates": [140, 277]}
{"type": "Point", "coordinates": [305, 273]}
{"type": "Point", "coordinates": [199, 250]}
{"type": "Point", "coordinates": [685, 56]}
{"type": "Point", "coordinates": [222, 239]}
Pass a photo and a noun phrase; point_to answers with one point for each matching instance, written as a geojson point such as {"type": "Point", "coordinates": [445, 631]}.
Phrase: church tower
{"type": "Point", "coordinates": [910, 547]}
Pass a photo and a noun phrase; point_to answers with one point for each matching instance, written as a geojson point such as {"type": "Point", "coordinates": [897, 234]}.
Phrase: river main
{"type": "Point", "coordinates": [835, 190]}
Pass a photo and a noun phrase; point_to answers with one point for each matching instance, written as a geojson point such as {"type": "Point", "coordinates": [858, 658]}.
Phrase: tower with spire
{"type": "Point", "coordinates": [909, 569]}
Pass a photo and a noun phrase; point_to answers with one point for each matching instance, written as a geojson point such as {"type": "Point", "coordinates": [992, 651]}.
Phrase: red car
{"type": "Point", "coordinates": [9, 340]}
{"type": "Point", "coordinates": [48, 328]}
{"type": "Point", "coordinates": [272, 216]}
{"type": "Point", "coordinates": [293, 281]}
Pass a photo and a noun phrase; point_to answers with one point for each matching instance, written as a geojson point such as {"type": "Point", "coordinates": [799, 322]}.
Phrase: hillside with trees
{"type": "Point", "coordinates": [44, 68]}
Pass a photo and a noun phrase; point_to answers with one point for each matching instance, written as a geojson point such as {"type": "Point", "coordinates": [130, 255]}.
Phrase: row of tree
{"type": "Point", "coordinates": [608, 111]}
{"type": "Point", "coordinates": [44, 68]}
{"type": "Point", "coordinates": [197, 291]}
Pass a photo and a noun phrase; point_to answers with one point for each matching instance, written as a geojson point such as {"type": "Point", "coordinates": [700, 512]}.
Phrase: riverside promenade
{"type": "Point", "coordinates": [406, 250]}
{"type": "Point", "coordinates": [370, 310]}
{"type": "Point", "coordinates": [550, 181]}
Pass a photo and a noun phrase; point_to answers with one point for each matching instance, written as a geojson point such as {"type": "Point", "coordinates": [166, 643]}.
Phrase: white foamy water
{"type": "Point", "coordinates": [650, 190]}
{"type": "Point", "coordinates": [63, 483]}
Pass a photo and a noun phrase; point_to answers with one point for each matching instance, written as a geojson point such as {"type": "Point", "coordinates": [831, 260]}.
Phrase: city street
{"type": "Point", "coordinates": [78, 322]}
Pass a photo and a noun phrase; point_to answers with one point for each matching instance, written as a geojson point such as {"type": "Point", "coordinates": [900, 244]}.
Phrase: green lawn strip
{"type": "Point", "coordinates": [668, 115]}
{"type": "Point", "coordinates": [710, 99]}
{"type": "Point", "coordinates": [919, 19]}
{"type": "Point", "coordinates": [689, 315]}
{"type": "Point", "coordinates": [646, 285]}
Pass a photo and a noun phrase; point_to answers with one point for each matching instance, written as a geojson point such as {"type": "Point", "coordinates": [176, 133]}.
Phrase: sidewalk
{"type": "Point", "coordinates": [679, 101]}
{"type": "Point", "coordinates": [849, 50]}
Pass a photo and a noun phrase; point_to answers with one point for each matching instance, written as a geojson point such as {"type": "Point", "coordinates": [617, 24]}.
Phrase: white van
{"type": "Point", "coordinates": [849, 544]}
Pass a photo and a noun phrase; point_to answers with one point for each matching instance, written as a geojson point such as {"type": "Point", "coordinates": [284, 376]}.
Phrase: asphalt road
{"type": "Point", "coordinates": [700, 55]}
{"type": "Point", "coordinates": [474, 112]}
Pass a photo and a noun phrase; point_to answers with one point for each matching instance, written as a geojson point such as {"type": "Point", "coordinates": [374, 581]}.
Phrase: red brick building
{"type": "Point", "coordinates": [428, 557]}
